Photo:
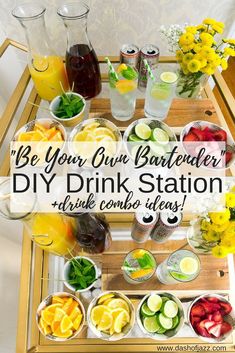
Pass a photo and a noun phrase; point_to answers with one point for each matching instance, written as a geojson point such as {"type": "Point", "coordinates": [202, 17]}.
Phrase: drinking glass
{"type": "Point", "coordinates": [180, 266]}
{"type": "Point", "coordinates": [159, 95]}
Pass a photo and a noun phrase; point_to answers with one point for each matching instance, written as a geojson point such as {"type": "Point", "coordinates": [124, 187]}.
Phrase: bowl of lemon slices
{"type": "Point", "coordinates": [91, 134]}
{"type": "Point", "coordinates": [111, 316]}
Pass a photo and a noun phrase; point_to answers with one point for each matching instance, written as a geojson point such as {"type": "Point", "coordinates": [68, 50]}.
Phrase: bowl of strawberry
{"type": "Point", "coordinates": [204, 133]}
{"type": "Point", "coordinates": [211, 317]}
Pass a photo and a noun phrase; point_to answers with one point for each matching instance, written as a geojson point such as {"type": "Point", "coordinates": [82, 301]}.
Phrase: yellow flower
{"type": "Point", "coordinates": [220, 227]}
{"type": "Point", "coordinates": [230, 199]}
{"type": "Point", "coordinates": [184, 68]}
{"type": "Point", "coordinates": [229, 233]}
{"type": "Point", "coordinates": [179, 55]}
{"type": "Point", "coordinates": [202, 60]}
{"type": "Point", "coordinates": [219, 251]}
{"type": "Point", "coordinates": [233, 189]}
{"type": "Point", "coordinates": [207, 52]}
{"type": "Point", "coordinates": [186, 38]}
{"type": "Point", "coordinates": [194, 65]}
{"type": "Point", "coordinates": [216, 60]}
{"type": "Point", "coordinates": [217, 28]}
{"type": "Point", "coordinates": [187, 48]}
{"type": "Point", "coordinates": [198, 47]}
{"type": "Point", "coordinates": [206, 39]}
{"type": "Point", "coordinates": [220, 217]}
{"type": "Point", "coordinates": [208, 69]}
{"type": "Point", "coordinates": [187, 57]}
{"type": "Point", "coordinates": [229, 41]}
{"type": "Point", "coordinates": [211, 236]}
{"type": "Point", "coordinates": [209, 21]}
{"type": "Point", "coordinates": [224, 64]}
{"type": "Point", "coordinates": [228, 244]}
{"type": "Point", "coordinates": [191, 29]}
{"type": "Point", "coordinates": [220, 24]}
{"type": "Point", "coordinates": [205, 225]}
{"type": "Point", "coordinates": [201, 27]}
{"type": "Point", "coordinates": [229, 52]}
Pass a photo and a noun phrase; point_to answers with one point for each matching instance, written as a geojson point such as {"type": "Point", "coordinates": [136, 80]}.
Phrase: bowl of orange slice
{"type": "Point", "coordinates": [111, 316]}
{"type": "Point", "coordinates": [91, 134]}
{"type": "Point", "coordinates": [60, 316]}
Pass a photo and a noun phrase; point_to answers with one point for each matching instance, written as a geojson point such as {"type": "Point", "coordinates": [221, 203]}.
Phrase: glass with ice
{"type": "Point", "coordinates": [123, 88]}
{"type": "Point", "coordinates": [159, 93]}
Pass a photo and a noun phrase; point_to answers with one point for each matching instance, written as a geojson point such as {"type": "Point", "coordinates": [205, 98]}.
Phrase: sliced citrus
{"type": "Point", "coordinates": [59, 333]}
{"type": "Point", "coordinates": [118, 303]}
{"type": "Point", "coordinates": [40, 63]}
{"type": "Point", "coordinates": [50, 132]}
{"type": "Point", "coordinates": [138, 254]}
{"type": "Point", "coordinates": [52, 307]}
{"type": "Point", "coordinates": [57, 137]}
{"type": "Point", "coordinates": [47, 330]}
{"type": "Point", "coordinates": [168, 77]}
{"type": "Point", "coordinates": [76, 311]}
{"type": "Point", "coordinates": [160, 91]}
{"type": "Point", "coordinates": [106, 321]}
{"type": "Point", "coordinates": [121, 67]}
{"type": "Point", "coordinates": [83, 136]}
{"type": "Point", "coordinates": [67, 304]}
{"type": "Point", "coordinates": [126, 86]}
{"type": "Point", "coordinates": [72, 306]}
{"type": "Point", "coordinates": [47, 316]}
{"type": "Point", "coordinates": [59, 314]}
{"type": "Point", "coordinates": [141, 273]}
{"type": "Point", "coordinates": [91, 126]}
{"type": "Point", "coordinates": [55, 325]}
{"type": "Point", "coordinates": [30, 136]}
{"type": "Point", "coordinates": [56, 299]}
{"type": "Point", "coordinates": [115, 313]}
{"type": "Point", "coordinates": [39, 127]}
{"type": "Point", "coordinates": [42, 324]}
{"type": "Point", "coordinates": [107, 301]}
{"type": "Point", "coordinates": [100, 131]}
{"type": "Point", "coordinates": [66, 324]}
{"type": "Point", "coordinates": [121, 320]}
{"type": "Point", "coordinates": [97, 313]}
{"type": "Point", "coordinates": [105, 297]}
{"type": "Point", "coordinates": [77, 322]}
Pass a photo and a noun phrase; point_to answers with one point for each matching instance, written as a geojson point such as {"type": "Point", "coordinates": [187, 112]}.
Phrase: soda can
{"type": "Point", "coordinates": [129, 55]}
{"type": "Point", "coordinates": [165, 226]}
{"type": "Point", "coordinates": [142, 225]}
{"type": "Point", "coordinates": [151, 53]}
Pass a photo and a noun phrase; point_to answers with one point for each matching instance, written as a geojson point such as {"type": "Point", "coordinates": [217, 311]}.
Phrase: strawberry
{"type": "Point", "coordinates": [208, 324]}
{"type": "Point", "coordinates": [213, 299]}
{"type": "Point", "coordinates": [199, 133]}
{"type": "Point", "coordinates": [220, 135]}
{"type": "Point", "coordinates": [208, 134]}
{"type": "Point", "coordinates": [190, 137]}
{"type": "Point", "coordinates": [194, 320]}
{"type": "Point", "coordinates": [210, 307]}
{"type": "Point", "coordinates": [228, 156]}
{"type": "Point", "coordinates": [209, 317]}
{"type": "Point", "coordinates": [198, 310]}
{"type": "Point", "coordinates": [226, 327]}
{"type": "Point", "coordinates": [217, 317]}
{"type": "Point", "coordinates": [215, 330]}
{"type": "Point", "coordinates": [201, 330]}
{"type": "Point", "coordinates": [226, 307]}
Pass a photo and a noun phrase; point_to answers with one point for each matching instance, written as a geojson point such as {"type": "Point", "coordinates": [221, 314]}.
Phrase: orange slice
{"type": "Point", "coordinates": [66, 324]}
{"type": "Point", "coordinates": [56, 137]}
{"type": "Point", "coordinates": [60, 334]}
{"type": "Point", "coordinates": [47, 316]}
{"type": "Point", "coordinates": [72, 306]}
{"type": "Point", "coordinates": [125, 86]}
{"type": "Point", "coordinates": [52, 307]}
{"type": "Point", "coordinates": [39, 127]}
{"type": "Point", "coordinates": [59, 314]}
{"type": "Point", "coordinates": [56, 299]}
{"type": "Point", "coordinates": [141, 273]}
{"type": "Point", "coordinates": [55, 325]}
{"type": "Point", "coordinates": [77, 322]}
{"type": "Point", "coordinates": [76, 311]}
{"type": "Point", "coordinates": [30, 136]}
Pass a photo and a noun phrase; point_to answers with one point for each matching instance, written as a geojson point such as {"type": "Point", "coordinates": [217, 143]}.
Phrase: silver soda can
{"type": "Point", "coordinates": [151, 53]}
{"type": "Point", "coordinates": [166, 225]}
{"type": "Point", "coordinates": [129, 54]}
{"type": "Point", "coordinates": [142, 225]}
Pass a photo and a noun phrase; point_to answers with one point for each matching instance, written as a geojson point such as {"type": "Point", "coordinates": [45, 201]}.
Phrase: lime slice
{"type": "Point", "coordinates": [151, 324]}
{"type": "Point", "coordinates": [145, 311]}
{"type": "Point", "coordinates": [160, 136]}
{"type": "Point", "coordinates": [154, 302]}
{"type": "Point", "coordinates": [168, 77]}
{"type": "Point", "coordinates": [160, 91]}
{"type": "Point", "coordinates": [133, 138]}
{"type": "Point", "coordinates": [143, 131]}
{"type": "Point", "coordinates": [188, 265]}
{"type": "Point", "coordinates": [156, 148]}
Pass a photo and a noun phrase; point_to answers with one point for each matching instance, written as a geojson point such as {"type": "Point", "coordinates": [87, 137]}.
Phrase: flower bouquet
{"type": "Point", "coordinates": [215, 232]}
{"type": "Point", "coordinates": [199, 55]}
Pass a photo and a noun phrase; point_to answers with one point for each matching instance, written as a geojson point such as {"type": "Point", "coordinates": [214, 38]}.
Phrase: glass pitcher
{"type": "Point", "coordinates": [46, 68]}
{"type": "Point", "coordinates": [81, 61]}
{"type": "Point", "coordinates": [53, 232]}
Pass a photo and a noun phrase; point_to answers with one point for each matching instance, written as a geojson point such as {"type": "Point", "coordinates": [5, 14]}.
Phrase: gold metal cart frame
{"type": "Point", "coordinates": [35, 262]}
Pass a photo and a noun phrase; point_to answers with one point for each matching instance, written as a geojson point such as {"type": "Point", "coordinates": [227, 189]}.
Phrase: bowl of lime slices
{"type": "Point", "coordinates": [160, 315]}
{"type": "Point", "coordinates": [153, 133]}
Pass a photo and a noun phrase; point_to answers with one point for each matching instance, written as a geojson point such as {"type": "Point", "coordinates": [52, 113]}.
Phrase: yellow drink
{"type": "Point", "coordinates": [53, 232]}
{"type": "Point", "coordinates": [48, 74]}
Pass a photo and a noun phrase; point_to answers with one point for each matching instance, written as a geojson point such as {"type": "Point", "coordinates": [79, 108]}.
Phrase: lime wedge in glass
{"type": "Point", "coordinates": [143, 131]}
{"type": "Point", "coordinates": [168, 77]}
{"type": "Point", "coordinates": [134, 138]}
{"type": "Point", "coordinates": [160, 91]}
{"type": "Point", "coordinates": [160, 136]}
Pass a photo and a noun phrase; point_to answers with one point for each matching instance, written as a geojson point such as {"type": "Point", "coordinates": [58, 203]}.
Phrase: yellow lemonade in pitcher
{"type": "Point", "coordinates": [49, 76]}
{"type": "Point", "coordinates": [53, 232]}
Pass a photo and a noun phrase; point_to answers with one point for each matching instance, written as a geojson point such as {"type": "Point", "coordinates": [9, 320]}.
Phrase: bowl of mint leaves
{"type": "Point", "coordinates": [68, 108]}
{"type": "Point", "coordinates": [80, 273]}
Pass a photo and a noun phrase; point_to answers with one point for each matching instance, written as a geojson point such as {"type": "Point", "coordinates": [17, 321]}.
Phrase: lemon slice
{"type": "Point", "coordinates": [97, 313]}
{"type": "Point", "coordinates": [40, 63]}
{"type": "Point", "coordinates": [160, 91]}
{"type": "Point", "coordinates": [105, 297]}
{"type": "Point", "coordinates": [91, 126]}
{"type": "Point", "coordinates": [83, 136]}
{"type": "Point", "coordinates": [104, 131]}
{"type": "Point", "coordinates": [126, 86]}
{"type": "Point", "coordinates": [168, 77]}
{"type": "Point", "coordinates": [188, 265]}
{"type": "Point", "coordinates": [121, 67]}
{"type": "Point", "coordinates": [121, 320]}
{"type": "Point", "coordinates": [105, 322]}
{"type": "Point", "coordinates": [118, 303]}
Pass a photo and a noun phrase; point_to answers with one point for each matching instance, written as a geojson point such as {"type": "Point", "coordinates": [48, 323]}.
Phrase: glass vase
{"type": "Point", "coordinates": [81, 61]}
{"type": "Point", "coordinates": [190, 85]}
{"type": "Point", "coordinates": [46, 68]}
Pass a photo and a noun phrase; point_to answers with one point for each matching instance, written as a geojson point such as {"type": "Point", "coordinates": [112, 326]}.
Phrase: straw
{"type": "Point", "coordinates": [149, 70]}
{"type": "Point", "coordinates": [111, 68]}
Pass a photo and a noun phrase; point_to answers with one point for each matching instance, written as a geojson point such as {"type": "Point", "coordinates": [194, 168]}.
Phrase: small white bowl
{"type": "Point", "coordinates": [66, 274]}
{"type": "Point", "coordinates": [171, 333]}
{"type": "Point", "coordinates": [229, 318]}
{"type": "Point", "coordinates": [47, 301]}
{"type": "Point", "coordinates": [70, 122]}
